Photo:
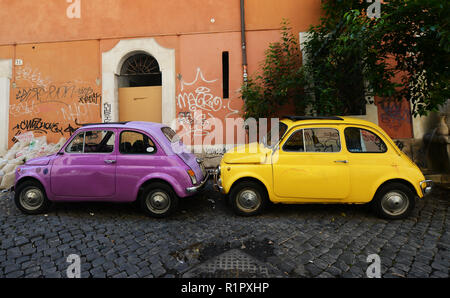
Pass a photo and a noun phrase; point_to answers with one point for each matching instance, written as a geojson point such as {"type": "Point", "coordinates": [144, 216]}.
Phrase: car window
{"type": "Point", "coordinates": [170, 134]}
{"type": "Point", "coordinates": [99, 141]}
{"type": "Point", "coordinates": [322, 140]}
{"type": "Point", "coordinates": [76, 145]}
{"type": "Point", "coordinates": [314, 140]}
{"type": "Point", "coordinates": [132, 142]}
{"type": "Point", "coordinates": [360, 140]}
{"type": "Point", "coordinates": [295, 142]}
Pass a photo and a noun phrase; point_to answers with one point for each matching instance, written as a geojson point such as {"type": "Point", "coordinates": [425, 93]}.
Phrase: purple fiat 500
{"type": "Point", "coordinates": [114, 162]}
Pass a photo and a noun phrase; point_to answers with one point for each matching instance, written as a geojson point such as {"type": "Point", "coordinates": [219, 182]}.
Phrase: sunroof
{"type": "Point", "coordinates": [299, 118]}
{"type": "Point", "coordinates": [115, 123]}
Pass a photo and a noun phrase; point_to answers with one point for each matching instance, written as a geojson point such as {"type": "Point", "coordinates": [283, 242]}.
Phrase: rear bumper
{"type": "Point", "coordinates": [194, 189]}
{"type": "Point", "coordinates": [426, 186]}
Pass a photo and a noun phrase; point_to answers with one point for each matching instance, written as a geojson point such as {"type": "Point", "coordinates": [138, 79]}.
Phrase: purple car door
{"type": "Point", "coordinates": [138, 156]}
{"type": "Point", "coordinates": [87, 168]}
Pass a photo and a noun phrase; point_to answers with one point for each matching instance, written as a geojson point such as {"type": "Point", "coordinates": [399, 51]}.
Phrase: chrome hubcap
{"type": "Point", "coordinates": [32, 199]}
{"type": "Point", "coordinates": [248, 200]}
{"type": "Point", "coordinates": [158, 202]}
{"type": "Point", "coordinates": [395, 203]}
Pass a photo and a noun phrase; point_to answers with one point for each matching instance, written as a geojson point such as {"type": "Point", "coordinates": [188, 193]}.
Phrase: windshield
{"type": "Point", "coordinates": [274, 135]}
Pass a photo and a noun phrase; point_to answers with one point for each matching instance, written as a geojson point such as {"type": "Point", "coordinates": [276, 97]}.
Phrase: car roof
{"type": "Point", "coordinates": [295, 120]}
{"type": "Point", "coordinates": [124, 125]}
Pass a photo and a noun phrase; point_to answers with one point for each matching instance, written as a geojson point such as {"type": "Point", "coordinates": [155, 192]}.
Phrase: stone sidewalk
{"type": "Point", "coordinates": [293, 241]}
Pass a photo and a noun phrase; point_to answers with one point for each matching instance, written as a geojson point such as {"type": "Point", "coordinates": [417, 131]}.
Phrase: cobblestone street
{"type": "Point", "coordinates": [299, 241]}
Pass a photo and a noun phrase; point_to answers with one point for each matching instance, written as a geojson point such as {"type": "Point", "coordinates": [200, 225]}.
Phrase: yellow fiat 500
{"type": "Point", "coordinates": [322, 160]}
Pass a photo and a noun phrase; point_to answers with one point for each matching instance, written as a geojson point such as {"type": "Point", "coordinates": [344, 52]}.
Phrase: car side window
{"type": "Point", "coordinates": [99, 141]}
{"type": "Point", "coordinates": [76, 146]}
{"type": "Point", "coordinates": [295, 142]}
{"type": "Point", "coordinates": [132, 142]}
{"type": "Point", "coordinates": [360, 140]}
{"type": "Point", "coordinates": [322, 140]}
{"type": "Point", "coordinates": [314, 140]}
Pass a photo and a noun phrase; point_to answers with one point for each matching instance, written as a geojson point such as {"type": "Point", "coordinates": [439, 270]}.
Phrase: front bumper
{"type": "Point", "coordinates": [218, 181]}
{"type": "Point", "coordinates": [198, 187]}
{"type": "Point", "coordinates": [426, 186]}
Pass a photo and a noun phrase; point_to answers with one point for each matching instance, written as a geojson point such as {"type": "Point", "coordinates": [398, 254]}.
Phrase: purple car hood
{"type": "Point", "coordinates": [39, 161]}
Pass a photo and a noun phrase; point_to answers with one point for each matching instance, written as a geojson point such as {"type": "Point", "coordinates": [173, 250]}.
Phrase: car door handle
{"type": "Point", "coordinates": [110, 161]}
{"type": "Point", "coordinates": [341, 161]}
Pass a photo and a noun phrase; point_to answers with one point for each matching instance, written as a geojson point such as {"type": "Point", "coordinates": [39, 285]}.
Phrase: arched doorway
{"type": "Point", "coordinates": [140, 89]}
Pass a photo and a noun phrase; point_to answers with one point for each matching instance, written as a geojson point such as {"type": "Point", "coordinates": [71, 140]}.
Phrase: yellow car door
{"type": "Point", "coordinates": [369, 160]}
{"type": "Point", "coordinates": [311, 165]}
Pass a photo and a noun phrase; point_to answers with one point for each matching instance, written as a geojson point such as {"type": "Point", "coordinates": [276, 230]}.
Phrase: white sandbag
{"type": "Point", "coordinates": [18, 161]}
{"type": "Point", "coordinates": [3, 163]}
{"type": "Point", "coordinates": [24, 139]}
{"type": "Point", "coordinates": [9, 168]}
{"type": "Point", "coordinates": [41, 141]}
{"type": "Point", "coordinates": [11, 154]}
{"type": "Point", "coordinates": [8, 180]}
{"type": "Point", "coordinates": [15, 147]}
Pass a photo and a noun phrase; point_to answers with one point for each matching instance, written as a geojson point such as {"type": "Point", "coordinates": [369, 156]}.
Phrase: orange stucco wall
{"type": "Point", "coordinates": [59, 84]}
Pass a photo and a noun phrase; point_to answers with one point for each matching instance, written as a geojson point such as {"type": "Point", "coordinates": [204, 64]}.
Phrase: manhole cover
{"type": "Point", "coordinates": [233, 263]}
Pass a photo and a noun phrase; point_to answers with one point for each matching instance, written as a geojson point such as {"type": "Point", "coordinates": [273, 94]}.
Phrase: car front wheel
{"type": "Point", "coordinates": [30, 198]}
{"type": "Point", "coordinates": [394, 201]}
{"type": "Point", "coordinates": [158, 200]}
{"type": "Point", "coordinates": [248, 198]}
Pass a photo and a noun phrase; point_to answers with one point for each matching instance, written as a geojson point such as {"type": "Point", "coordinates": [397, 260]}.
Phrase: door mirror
{"type": "Point", "coordinates": [150, 149]}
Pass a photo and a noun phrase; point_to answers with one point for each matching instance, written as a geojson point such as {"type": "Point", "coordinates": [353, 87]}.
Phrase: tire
{"type": "Point", "coordinates": [30, 198]}
{"type": "Point", "coordinates": [394, 201]}
{"type": "Point", "coordinates": [248, 198]}
{"type": "Point", "coordinates": [158, 200]}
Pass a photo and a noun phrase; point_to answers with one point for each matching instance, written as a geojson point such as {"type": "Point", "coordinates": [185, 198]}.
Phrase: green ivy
{"type": "Point", "coordinates": [404, 54]}
{"type": "Point", "coordinates": [280, 82]}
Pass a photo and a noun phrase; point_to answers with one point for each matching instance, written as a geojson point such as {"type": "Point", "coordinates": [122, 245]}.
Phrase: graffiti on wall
{"type": "Point", "coordinates": [53, 109]}
{"type": "Point", "coordinates": [41, 127]}
{"type": "Point", "coordinates": [32, 76]}
{"type": "Point", "coordinates": [394, 114]}
{"type": "Point", "coordinates": [107, 110]}
{"type": "Point", "coordinates": [57, 93]}
{"type": "Point", "coordinates": [198, 101]}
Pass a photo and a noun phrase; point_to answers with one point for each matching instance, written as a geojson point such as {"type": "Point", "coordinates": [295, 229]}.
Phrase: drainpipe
{"type": "Point", "coordinates": [244, 43]}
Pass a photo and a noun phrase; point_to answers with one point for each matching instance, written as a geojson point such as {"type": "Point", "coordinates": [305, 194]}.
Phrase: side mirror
{"type": "Point", "coordinates": [60, 153]}
{"type": "Point", "coordinates": [150, 149]}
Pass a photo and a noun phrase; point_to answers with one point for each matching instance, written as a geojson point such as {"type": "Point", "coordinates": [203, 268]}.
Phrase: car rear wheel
{"type": "Point", "coordinates": [394, 201]}
{"type": "Point", "coordinates": [248, 198]}
{"type": "Point", "coordinates": [30, 198]}
{"type": "Point", "coordinates": [158, 200]}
